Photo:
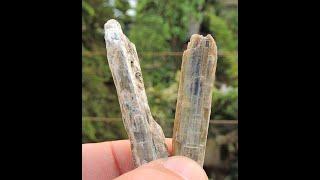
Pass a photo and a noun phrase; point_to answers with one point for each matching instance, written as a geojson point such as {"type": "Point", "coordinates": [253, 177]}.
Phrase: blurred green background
{"type": "Point", "coordinates": [161, 29]}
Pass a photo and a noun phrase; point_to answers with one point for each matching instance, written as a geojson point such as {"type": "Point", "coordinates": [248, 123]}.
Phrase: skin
{"type": "Point", "coordinates": [113, 160]}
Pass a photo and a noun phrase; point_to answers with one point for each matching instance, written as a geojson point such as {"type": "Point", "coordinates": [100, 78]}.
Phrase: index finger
{"type": "Point", "coordinates": [108, 160]}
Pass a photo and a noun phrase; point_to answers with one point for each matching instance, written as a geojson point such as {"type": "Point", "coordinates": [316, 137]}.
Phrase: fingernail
{"type": "Point", "coordinates": [185, 167]}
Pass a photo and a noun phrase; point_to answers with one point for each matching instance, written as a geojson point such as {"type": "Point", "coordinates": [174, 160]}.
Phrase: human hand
{"type": "Point", "coordinates": [113, 160]}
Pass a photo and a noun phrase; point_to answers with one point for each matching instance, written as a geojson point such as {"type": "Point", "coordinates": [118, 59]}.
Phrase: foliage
{"type": "Point", "coordinates": [225, 104]}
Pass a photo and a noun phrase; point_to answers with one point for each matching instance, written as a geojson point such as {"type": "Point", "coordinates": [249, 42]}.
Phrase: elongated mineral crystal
{"type": "Point", "coordinates": [193, 108]}
{"type": "Point", "coordinates": [146, 136]}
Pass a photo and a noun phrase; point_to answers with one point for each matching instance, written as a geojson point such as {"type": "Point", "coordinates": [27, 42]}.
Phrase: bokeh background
{"type": "Point", "coordinates": [161, 29]}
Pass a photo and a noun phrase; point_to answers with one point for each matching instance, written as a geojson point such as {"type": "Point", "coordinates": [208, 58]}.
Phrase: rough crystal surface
{"type": "Point", "coordinates": [193, 107]}
{"type": "Point", "coordinates": [146, 136]}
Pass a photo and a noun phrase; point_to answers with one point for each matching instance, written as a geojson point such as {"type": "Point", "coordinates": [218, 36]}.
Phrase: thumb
{"type": "Point", "coordinates": [172, 168]}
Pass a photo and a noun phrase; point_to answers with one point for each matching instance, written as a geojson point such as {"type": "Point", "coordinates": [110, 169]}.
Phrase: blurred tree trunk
{"type": "Point", "coordinates": [195, 23]}
{"type": "Point", "coordinates": [194, 26]}
{"type": "Point", "coordinates": [219, 158]}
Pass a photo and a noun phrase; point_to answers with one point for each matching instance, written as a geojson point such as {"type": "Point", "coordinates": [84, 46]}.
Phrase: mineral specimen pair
{"type": "Point", "coordinates": [193, 105]}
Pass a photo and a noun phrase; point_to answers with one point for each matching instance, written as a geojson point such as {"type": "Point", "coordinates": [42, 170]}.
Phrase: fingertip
{"type": "Point", "coordinates": [121, 151]}
{"type": "Point", "coordinates": [172, 168]}
{"type": "Point", "coordinates": [185, 167]}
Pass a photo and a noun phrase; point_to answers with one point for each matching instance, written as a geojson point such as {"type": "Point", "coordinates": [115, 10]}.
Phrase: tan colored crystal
{"type": "Point", "coordinates": [146, 136]}
{"type": "Point", "coordinates": [193, 108]}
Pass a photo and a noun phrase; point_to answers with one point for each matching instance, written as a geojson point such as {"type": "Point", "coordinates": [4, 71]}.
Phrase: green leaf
{"type": "Point", "coordinates": [88, 8]}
